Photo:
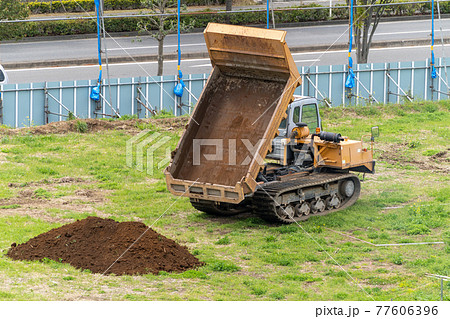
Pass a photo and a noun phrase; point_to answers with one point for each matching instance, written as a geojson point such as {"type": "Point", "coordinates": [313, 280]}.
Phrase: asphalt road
{"type": "Point", "coordinates": [196, 66]}
{"type": "Point", "coordinates": [194, 42]}
{"type": "Point", "coordinates": [123, 46]}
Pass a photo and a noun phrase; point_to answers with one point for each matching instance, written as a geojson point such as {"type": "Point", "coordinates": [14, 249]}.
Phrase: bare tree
{"type": "Point", "coordinates": [161, 25]}
{"type": "Point", "coordinates": [366, 21]}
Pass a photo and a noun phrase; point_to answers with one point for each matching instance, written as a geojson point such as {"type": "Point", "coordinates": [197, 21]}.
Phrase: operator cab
{"type": "Point", "coordinates": [3, 76]}
{"type": "Point", "coordinates": [303, 109]}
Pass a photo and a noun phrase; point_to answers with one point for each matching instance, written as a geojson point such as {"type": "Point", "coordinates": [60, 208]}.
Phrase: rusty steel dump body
{"type": "Point", "coordinates": [242, 105]}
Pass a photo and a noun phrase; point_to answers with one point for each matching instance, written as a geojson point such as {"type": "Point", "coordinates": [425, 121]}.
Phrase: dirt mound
{"type": "Point", "coordinates": [97, 125]}
{"type": "Point", "coordinates": [95, 244]}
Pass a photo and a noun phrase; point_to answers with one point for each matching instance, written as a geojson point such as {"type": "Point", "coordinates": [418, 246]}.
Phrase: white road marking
{"type": "Point", "coordinates": [427, 22]}
{"type": "Point", "coordinates": [415, 22]}
{"type": "Point", "coordinates": [312, 60]}
{"type": "Point", "coordinates": [199, 65]}
{"type": "Point", "coordinates": [407, 32]}
{"type": "Point", "coordinates": [371, 49]}
{"type": "Point", "coordinates": [155, 47]}
{"type": "Point", "coordinates": [96, 66]}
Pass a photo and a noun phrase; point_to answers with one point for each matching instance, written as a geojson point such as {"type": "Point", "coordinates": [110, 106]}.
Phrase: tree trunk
{"type": "Point", "coordinates": [228, 7]}
{"type": "Point", "coordinates": [363, 48]}
{"type": "Point", "coordinates": [365, 32]}
{"type": "Point", "coordinates": [160, 56]}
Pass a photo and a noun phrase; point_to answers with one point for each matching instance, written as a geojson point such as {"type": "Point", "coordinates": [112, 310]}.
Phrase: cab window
{"type": "Point", "coordinates": [309, 115]}
{"type": "Point", "coordinates": [296, 116]}
{"type": "Point", "coordinates": [283, 123]}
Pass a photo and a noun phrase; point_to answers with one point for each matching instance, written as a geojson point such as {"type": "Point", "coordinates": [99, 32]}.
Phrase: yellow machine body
{"type": "Point", "coordinates": [347, 154]}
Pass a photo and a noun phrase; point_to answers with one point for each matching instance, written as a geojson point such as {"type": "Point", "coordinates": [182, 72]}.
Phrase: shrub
{"type": "Point", "coordinates": [81, 127]}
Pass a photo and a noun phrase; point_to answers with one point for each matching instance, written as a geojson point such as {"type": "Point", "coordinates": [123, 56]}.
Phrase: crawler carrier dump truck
{"type": "Point", "coordinates": [251, 145]}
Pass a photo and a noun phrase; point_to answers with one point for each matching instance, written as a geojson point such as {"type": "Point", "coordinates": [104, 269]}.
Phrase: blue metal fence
{"type": "Point", "coordinates": [376, 83]}
{"type": "Point", "coordinates": [40, 103]}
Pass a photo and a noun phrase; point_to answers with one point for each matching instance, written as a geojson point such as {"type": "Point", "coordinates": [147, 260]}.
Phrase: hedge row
{"type": "Point", "coordinates": [89, 5]}
{"type": "Point", "coordinates": [130, 24]}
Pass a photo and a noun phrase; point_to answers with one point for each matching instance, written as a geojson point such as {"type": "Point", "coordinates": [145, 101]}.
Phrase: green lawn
{"type": "Point", "coordinates": [246, 258]}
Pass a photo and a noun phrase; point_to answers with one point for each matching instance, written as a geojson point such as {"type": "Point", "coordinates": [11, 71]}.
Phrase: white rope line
{"type": "Point", "coordinates": [446, 278]}
{"type": "Point", "coordinates": [385, 245]}
{"type": "Point", "coordinates": [321, 247]}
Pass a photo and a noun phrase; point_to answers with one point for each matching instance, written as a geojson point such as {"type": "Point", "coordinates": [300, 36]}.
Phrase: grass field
{"type": "Point", "coordinates": [52, 179]}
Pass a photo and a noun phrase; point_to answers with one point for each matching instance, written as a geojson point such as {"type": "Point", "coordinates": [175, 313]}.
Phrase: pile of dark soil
{"type": "Point", "coordinates": [95, 244]}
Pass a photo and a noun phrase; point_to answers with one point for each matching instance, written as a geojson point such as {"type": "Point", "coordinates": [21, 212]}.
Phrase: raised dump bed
{"type": "Point", "coordinates": [241, 107]}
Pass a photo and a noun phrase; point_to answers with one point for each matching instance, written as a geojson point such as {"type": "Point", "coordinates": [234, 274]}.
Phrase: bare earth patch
{"type": "Point", "coordinates": [395, 154]}
{"type": "Point", "coordinates": [31, 201]}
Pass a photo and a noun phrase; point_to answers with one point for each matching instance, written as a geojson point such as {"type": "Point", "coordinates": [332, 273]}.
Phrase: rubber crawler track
{"type": "Point", "coordinates": [265, 206]}
{"type": "Point", "coordinates": [224, 209]}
